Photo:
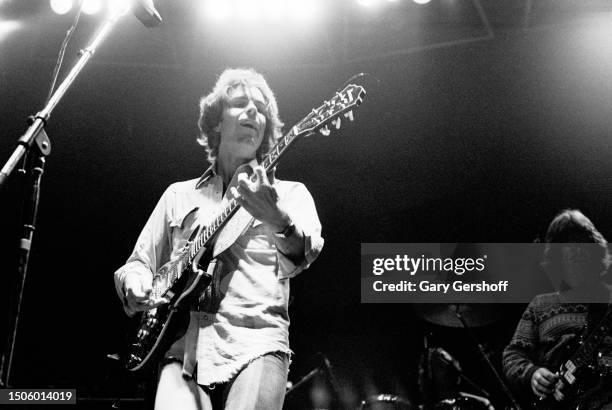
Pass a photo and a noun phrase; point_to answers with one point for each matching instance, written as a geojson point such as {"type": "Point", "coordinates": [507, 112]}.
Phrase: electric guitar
{"type": "Point", "coordinates": [183, 279]}
{"type": "Point", "coordinates": [586, 382]}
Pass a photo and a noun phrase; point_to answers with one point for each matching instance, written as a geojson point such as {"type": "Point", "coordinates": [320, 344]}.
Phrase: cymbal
{"type": "Point", "coordinates": [474, 314]}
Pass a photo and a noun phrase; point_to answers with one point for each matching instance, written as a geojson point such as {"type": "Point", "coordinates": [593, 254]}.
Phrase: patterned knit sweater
{"type": "Point", "coordinates": [547, 326]}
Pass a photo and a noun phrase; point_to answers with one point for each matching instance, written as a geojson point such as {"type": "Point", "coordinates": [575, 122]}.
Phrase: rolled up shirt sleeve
{"type": "Point", "coordinates": [300, 206]}
{"type": "Point", "coordinates": [152, 249]}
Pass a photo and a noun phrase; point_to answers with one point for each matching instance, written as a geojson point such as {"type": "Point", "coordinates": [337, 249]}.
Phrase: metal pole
{"type": "Point", "coordinates": [36, 133]}
{"type": "Point", "coordinates": [41, 118]}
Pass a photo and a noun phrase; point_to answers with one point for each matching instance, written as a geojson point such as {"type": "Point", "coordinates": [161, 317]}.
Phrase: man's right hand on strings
{"type": "Point", "coordinates": [137, 292]}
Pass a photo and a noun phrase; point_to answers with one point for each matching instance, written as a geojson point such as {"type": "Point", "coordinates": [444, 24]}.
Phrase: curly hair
{"type": "Point", "coordinates": [572, 226]}
{"type": "Point", "coordinates": [212, 105]}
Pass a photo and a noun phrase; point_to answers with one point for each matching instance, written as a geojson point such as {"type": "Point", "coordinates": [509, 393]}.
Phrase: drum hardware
{"type": "Point", "coordinates": [440, 377]}
{"type": "Point", "coordinates": [476, 315]}
{"type": "Point", "coordinates": [385, 402]}
{"type": "Point", "coordinates": [464, 401]}
{"type": "Point", "coordinates": [467, 316]}
{"type": "Point", "coordinates": [325, 368]}
{"type": "Point", "coordinates": [485, 356]}
{"type": "Point", "coordinates": [291, 387]}
{"type": "Point", "coordinates": [446, 358]}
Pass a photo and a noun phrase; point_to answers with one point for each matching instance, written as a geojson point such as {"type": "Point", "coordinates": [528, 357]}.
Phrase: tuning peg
{"type": "Point", "coordinates": [345, 99]}
{"type": "Point", "coordinates": [337, 123]}
{"type": "Point", "coordinates": [325, 131]}
{"type": "Point", "coordinates": [349, 115]}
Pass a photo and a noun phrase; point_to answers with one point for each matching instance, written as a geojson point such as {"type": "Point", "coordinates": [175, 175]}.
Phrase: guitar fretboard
{"type": "Point", "coordinates": [318, 119]}
{"type": "Point", "coordinates": [270, 159]}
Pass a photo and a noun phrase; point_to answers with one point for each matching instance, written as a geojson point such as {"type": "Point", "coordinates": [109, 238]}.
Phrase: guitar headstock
{"type": "Point", "coordinates": [332, 112]}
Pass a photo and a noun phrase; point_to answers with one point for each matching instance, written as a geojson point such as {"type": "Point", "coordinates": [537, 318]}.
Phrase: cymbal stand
{"type": "Point", "coordinates": [488, 361]}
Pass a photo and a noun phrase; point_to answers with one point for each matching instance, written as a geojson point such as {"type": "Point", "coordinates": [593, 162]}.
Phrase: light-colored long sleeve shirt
{"type": "Point", "coordinates": [246, 315]}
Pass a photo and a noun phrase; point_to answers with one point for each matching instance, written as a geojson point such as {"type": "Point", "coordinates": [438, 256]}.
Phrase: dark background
{"type": "Point", "coordinates": [482, 120]}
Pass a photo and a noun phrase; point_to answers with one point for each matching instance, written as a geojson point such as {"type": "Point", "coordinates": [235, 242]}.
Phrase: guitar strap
{"type": "Point", "coordinates": [241, 220]}
{"type": "Point", "coordinates": [234, 228]}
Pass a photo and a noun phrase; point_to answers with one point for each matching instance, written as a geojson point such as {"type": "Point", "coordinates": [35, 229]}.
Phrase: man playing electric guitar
{"type": "Point", "coordinates": [551, 328]}
{"type": "Point", "coordinates": [235, 353]}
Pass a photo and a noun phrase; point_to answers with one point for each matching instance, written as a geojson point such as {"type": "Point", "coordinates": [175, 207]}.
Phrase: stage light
{"type": "Point", "coordinates": [92, 6]}
{"type": "Point", "coordinates": [61, 6]}
{"type": "Point", "coordinates": [6, 27]}
{"type": "Point", "coordinates": [217, 9]}
{"type": "Point", "coordinates": [421, 1]}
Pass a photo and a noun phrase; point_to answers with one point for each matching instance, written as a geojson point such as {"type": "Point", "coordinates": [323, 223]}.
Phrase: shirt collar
{"type": "Point", "coordinates": [212, 172]}
{"type": "Point", "coordinates": [207, 175]}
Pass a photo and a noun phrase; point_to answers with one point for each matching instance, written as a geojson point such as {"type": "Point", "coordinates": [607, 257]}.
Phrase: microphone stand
{"type": "Point", "coordinates": [30, 213]}
{"type": "Point", "coordinates": [35, 130]}
{"type": "Point", "coordinates": [36, 134]}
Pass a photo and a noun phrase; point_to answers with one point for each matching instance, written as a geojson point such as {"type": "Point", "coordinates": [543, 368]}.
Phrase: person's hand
{"type": "Point", "coordinates": [260, 199]}
{"type": "Point", "coordinates": [558, 393]}
{"type": "Point", "coordinates": [138, 294]}
{"type": "Point", "coordinates": [543, 382]}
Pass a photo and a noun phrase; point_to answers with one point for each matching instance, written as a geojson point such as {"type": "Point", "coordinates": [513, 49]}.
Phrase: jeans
{"type": "Point", "coordinates": [260, 385]}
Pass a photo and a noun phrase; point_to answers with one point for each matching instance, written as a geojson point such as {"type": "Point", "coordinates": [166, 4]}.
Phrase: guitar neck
{"type": "Point", "coordinates": [269, 161]}
{"type": "Point", "coordinates": [585, 352]}
{"type": "Point", "coordinates": [331, 112]}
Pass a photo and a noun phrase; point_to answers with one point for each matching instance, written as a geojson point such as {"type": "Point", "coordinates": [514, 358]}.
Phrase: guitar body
{"type": "Point", "coordinates": [163, 325]}
{"type": "Point", "coordinates": [598, 395]}
{"type": "Point", "coordinates": [584, 388]}
{"type": "Point", "coordinates": [591, 397]}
